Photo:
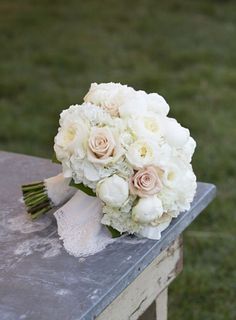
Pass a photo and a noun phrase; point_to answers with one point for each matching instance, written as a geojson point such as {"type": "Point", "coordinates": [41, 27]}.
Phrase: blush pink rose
{"type": "Point", "coordinates": [145, 182]}
{"type": "Point", "coordinates": [101, 145]}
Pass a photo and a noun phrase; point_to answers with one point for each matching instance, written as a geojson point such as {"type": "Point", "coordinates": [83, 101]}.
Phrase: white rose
{"type": "Point", "coordinates": [175, 134]}
{"type": "Point", "coordinates": [147, 210]}
{"type": "Point", "coordinates": [114, 191]}
{"type": "Point", "coordinates": [157, 104]}
{"type": "Point", "coordinates": [142, 152]}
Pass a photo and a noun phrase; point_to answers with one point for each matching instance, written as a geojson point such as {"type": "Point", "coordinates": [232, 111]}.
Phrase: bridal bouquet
{"type": "Point", "coordinates": [120, 146]}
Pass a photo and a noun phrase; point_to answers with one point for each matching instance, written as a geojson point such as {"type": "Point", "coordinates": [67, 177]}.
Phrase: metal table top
{"type": "Point", "coordinates": [39, 280]}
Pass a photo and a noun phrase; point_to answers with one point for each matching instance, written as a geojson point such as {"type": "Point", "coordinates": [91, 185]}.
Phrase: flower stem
{"type": "Point", "coordinates": [36, 199]}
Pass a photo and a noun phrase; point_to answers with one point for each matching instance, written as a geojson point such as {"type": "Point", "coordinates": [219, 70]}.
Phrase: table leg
{"type": "Point", "coordinates": [162, 305]}
{"type": "Point", "coordinates": [150, 286]}
{"type": "Point", "coordinates": [158, 310]}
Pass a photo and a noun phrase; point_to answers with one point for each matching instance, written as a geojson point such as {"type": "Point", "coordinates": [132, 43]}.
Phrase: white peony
{"type": "Point", "coordinates": [175, 134]}
{"type": "Point", "coordinates": [154, 232]}
{"type": "Point", "coordinates": [135, 105]}
{"type": "Point", "coordinates": [157, 104]}
{"type": "Point", "coordinates": [147, 210]}
{"type": "Point", "coordinates": [113, 191]}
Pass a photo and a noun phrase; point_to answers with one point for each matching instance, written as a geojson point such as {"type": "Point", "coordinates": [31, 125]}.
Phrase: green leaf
{"type": "Point", "coordinates": [83, 188]}
{"type": "Point", "coordinates": [54, 159]}
{"type": "Point", "coordinates": [115, 233]}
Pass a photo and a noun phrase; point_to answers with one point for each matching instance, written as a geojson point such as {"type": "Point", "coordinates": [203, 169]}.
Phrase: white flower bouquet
{"type": "Point", "coordinates": [120, 146]}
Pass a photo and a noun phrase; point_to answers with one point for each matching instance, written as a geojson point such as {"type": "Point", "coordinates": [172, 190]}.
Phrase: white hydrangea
{"type": "Point", "coordinates": [119, 220]}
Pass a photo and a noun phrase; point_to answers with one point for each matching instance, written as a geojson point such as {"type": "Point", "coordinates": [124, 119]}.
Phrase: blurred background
{"type": "Point", "coordinates": [185, 50]}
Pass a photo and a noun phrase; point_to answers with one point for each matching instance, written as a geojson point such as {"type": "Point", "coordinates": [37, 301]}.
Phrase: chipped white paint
{"type": "Point", "coordinates": [162, 305]}
{"type": "Point", "coordinates": [144, 290]}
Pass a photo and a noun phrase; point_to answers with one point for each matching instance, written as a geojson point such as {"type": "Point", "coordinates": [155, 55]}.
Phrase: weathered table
{"type": "Point", "coordinates": [40, 281]}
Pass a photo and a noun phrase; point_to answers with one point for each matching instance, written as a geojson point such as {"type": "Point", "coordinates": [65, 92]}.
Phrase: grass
{"type": "Point", "coordinates": [52, 50]}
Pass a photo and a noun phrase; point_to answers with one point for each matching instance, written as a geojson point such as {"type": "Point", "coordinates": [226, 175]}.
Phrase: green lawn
{"type": "Point", "coordinates": [186, 50]}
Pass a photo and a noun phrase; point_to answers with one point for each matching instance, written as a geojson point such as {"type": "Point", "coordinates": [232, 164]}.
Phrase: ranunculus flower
{"type": "Point", "coordinates": [145, 182]}
{"type": "Point", "coordinates": [147, 210]}
{"type": "Point", "coordinates": [101, 145]}
{"type": "Point", "coordinates": [114, 191]}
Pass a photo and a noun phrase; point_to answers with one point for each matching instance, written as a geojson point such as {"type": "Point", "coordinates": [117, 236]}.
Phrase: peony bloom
{"type": "Point", "coordinates": [135, 104]}
{"type": "Point", "coordinates": [157, 104]}
{"type": "Point", "coordinates": [114, 191]}
{"type": "Point", "coordinates": [145, 182]}
{"type": "Point", "coordinates": [175, 134]}
{"type": "Point", "coordinates": [147, 210]}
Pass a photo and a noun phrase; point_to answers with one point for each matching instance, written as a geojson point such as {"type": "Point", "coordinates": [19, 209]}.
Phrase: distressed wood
{"type": "Point", "coordinates": [161, 305]}
{"type": "Point", "coordinates": [158, 310]}
{"type": "Point", "coordinates": [150, 284]}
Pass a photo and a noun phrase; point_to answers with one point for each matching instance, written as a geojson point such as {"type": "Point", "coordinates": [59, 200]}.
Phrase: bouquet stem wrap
{"type": "Point", "coordinates": [79, 225]}
{"type": "Point", "coordinates": [40, 197]}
